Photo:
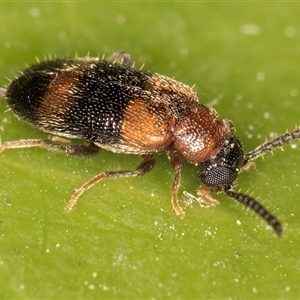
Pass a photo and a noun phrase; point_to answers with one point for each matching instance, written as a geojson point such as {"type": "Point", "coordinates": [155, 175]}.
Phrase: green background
{"type": "Point", "coordinates": [123, 240]}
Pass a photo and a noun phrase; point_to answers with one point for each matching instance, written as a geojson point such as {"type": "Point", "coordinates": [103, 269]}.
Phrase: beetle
{"type": "Point", "coordinates": [111, 105]}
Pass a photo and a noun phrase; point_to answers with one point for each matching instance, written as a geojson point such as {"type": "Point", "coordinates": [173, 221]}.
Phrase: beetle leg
{"type": "Point", "coordinates": [122, 58]}
{"type": "Point", "coordinates": [145, 166]}
{"type": "Point", "coordinates": [205, 196]}
{"type": "Point", "coordinates": [73, 149]}
{"type": "Point", "coordinates": [30, 143]}
{"type": "Point", "coordinates": [176, 161]}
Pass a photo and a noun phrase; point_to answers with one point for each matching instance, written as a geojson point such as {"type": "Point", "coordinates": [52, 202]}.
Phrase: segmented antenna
{"type": "Point", "coordinates": [252, 155]}
{"type": "Point", "coordinates": [258, 208]}
{"type": "Point", "coordinates": [271, 145]}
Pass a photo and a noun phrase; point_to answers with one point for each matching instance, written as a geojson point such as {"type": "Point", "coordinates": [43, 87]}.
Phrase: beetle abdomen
{"type": "Point", "coordinates": [94, 100]}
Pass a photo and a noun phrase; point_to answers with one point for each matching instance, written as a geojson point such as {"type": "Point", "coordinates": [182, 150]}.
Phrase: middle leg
{"type": "Point", "coordinates": [144, 167]}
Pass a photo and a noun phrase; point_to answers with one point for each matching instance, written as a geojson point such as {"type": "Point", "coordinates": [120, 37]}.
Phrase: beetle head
{"type": "Point", "coordinates": [219, 172]}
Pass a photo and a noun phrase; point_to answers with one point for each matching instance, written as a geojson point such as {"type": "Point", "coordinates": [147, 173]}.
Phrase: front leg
{"type": "Point", "coordinates": [205, 196]}
{"type": "Point", "coordinates": [176, 161]}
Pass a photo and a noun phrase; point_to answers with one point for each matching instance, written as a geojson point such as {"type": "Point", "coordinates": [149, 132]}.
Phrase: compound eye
{"type": "Point", "coordinates": [217, 178]}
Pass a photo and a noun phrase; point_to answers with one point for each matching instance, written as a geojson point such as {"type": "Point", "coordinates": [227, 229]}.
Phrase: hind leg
{"type": "Point", "coordinates": [50, 144]}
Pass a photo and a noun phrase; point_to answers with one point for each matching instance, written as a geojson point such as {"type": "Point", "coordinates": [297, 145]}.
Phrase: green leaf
{"type": "Point", "coordinates": [123, 240]}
